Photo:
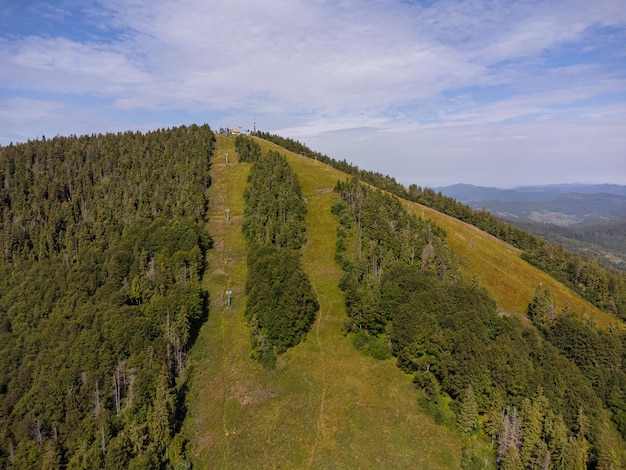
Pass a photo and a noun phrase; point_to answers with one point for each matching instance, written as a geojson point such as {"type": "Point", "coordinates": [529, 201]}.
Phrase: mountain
{"type": "Point", "coordinates": [469, 193]}
{"type": "Point", "coordinates": [580, 217]}
{"type": "Point", "coordinates": [329, 405]}
{"type": "Point", "coordinates": [128, 265]}
{"type": "Point", "coordinates": [567, 204]}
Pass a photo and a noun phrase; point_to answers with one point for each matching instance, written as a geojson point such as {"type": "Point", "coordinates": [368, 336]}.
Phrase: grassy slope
{"type": "Point", "coordinates": [326, 405]}
{"type": "Point", "coordinates": [510, 280]}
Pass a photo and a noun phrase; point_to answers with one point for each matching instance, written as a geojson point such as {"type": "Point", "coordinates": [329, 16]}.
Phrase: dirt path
{"type": "Point", "coordinates": [320, 418]}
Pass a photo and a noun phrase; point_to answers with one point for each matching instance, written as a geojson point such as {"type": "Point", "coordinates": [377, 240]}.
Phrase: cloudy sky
{"type": "Point", "coordinates": [497, 93]}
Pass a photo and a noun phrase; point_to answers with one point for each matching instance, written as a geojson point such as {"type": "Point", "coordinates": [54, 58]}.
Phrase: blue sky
{"type": "Point", "coordinates": [434, 93]}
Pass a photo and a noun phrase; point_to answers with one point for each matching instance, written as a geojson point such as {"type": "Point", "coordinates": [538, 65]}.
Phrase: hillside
{"type": "Point", "coordinates": [499, 268]}
{"type": "Point", "coordinates": [470, 193]}
{"type": "Point", "coordinates": [128, 340]}
{"type": "Point", "coordinates": [586, 219]}
{"type": "Point", "coordinates": [604, 240]}
{"type": "Point", "coordinates": [563, 205]}
{"type": "Point", "coordinates": [326, 405]}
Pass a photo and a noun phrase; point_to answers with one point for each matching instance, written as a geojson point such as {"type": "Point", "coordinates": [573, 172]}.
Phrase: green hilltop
{"type": "Point", "coordinates": [127, 339]}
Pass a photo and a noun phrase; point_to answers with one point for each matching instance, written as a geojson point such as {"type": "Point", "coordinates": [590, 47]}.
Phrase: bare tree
{"type": "Point", "coordinates": [37, 431]}
{"type": "Point", "coordinates": [120, 385]}
{"type": "Point", "coordinates": [510, 433]}
{"type": "Point", "coordinates": [97, 408]}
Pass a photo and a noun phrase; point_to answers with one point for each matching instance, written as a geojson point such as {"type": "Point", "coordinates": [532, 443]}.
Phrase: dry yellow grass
{"type": "Point", "coordinates": [510, 280]}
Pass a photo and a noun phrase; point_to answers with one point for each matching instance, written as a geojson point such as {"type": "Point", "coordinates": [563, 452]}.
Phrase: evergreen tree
{"type": "Point", "coordinates": [532, 414]}
{"type": "Point", "coordinates": [511, 460]}
{"type": "Point", "coordinates": [161, 421]}
{"type": "Point", "coordinates": [467, 420]}
{"type": "Point", "coordinates": [493, 417]}
{"type": "Point", "coordinates": [541, 310]}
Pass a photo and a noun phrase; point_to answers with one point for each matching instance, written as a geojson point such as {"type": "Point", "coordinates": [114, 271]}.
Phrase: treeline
{"type": "Point", "coordinates": [603, 240]}
{"type": "Point", "coordinates": [517, 399]}
{"type": "Point", "coordinates": [281, 304]}
{"type": "Point", "coordinates": [103, 249]}
{"type": "Point", "coordinates": [599, 354]}
{"type": "Point", "coordinates": [602, 286]}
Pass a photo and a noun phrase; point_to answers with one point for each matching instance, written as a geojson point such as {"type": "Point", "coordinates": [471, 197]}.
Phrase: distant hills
{"type": "Point", "coordinates": [565, 204]}
{"type": "Point", "coordinates": [587, 218]}
{"type": "Point", "coordinates": [470, 192]}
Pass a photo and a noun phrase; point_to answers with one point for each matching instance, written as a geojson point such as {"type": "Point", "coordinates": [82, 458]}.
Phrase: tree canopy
{"type": "Point", "coordinates": [281, 304]}
{"type": "Point", "coordinates": [103, 248]}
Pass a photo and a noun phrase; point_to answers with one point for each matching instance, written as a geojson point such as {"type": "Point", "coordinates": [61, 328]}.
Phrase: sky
{"type": "Point", "coordinates": [494, 93]}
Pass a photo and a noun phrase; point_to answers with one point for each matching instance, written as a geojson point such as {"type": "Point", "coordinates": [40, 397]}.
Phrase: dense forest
{"type": "Point", "coordinates": [604, 287]}
{"type": "Point", "coordinates": [103, 247]}
{"type": "Point", "coordinates": [522, 397]}
{"type": "Point", "coordinates": [281, 304]}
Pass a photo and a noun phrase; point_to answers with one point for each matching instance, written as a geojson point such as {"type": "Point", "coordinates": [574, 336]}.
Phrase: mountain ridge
{"type": "Point", "coordinates": [471, 193]}
{"type": "Point", "coordinates": [580, 217]}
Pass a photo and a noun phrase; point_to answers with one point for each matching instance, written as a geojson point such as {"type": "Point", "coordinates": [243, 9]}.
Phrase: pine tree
{"type": "Point", "coordinates": [533, 449]}
{"type": "Point", "coordinates": [574, 454]}
{"type": "Point", "coordinates": [51, 459]}
{"type": "Point", "coordinates": [161, 421]}
{"type": "Point", "coordinates": [557, 441]}
{"type": "Point", "coordinates": [541, 309]}
{"type": "Point", "coordinates": [467, 420]}
{"type": "Point", "coordinates": [493, 418]}
{"type": "Point", "coordinates": [511, 460]}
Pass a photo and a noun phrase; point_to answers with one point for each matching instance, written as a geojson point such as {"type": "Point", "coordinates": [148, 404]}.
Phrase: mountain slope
{"type": "Point", "coordinates": [326, 405]}
{"type": "Point", "coordinates": [111, 244]}
{"type": "Point", "coordinates": [586, 219]}
{"type": "Point", "coordinates": [498, 267]}
{"type": "Point", "coordinates": [606, 241]}
{"type": "Point", "coordinates": [468, 192]}
{"type": "Point", "coordinates": [549, 204]}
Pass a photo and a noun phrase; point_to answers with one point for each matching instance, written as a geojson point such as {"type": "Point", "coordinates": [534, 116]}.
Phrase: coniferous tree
{"type": "Point", "coordinates": [532, 413]}
{"type": "Point", "coordinates": [467, 420]}
{"type": "Point", "coordinates": [493, 417]}
{"type": "Point", "coordinates": [281, 303]}
{"type": "Point", "coordinates": [541, 310]}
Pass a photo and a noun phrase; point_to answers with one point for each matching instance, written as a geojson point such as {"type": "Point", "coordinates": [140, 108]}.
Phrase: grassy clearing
{"type": "Point", "coordinates": [326, 405]}
{"type": "Point", "coordinates": [510, 280]}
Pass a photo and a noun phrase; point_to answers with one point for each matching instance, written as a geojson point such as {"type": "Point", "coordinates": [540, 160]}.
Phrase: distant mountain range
{"type": "Point", "coordinates": [589, 219]}
{"type": "Point", "coordinates": [562, 204]}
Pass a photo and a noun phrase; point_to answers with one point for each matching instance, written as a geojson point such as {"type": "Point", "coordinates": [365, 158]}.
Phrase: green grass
{"type": "Point", "coordinates": [326, 405]}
